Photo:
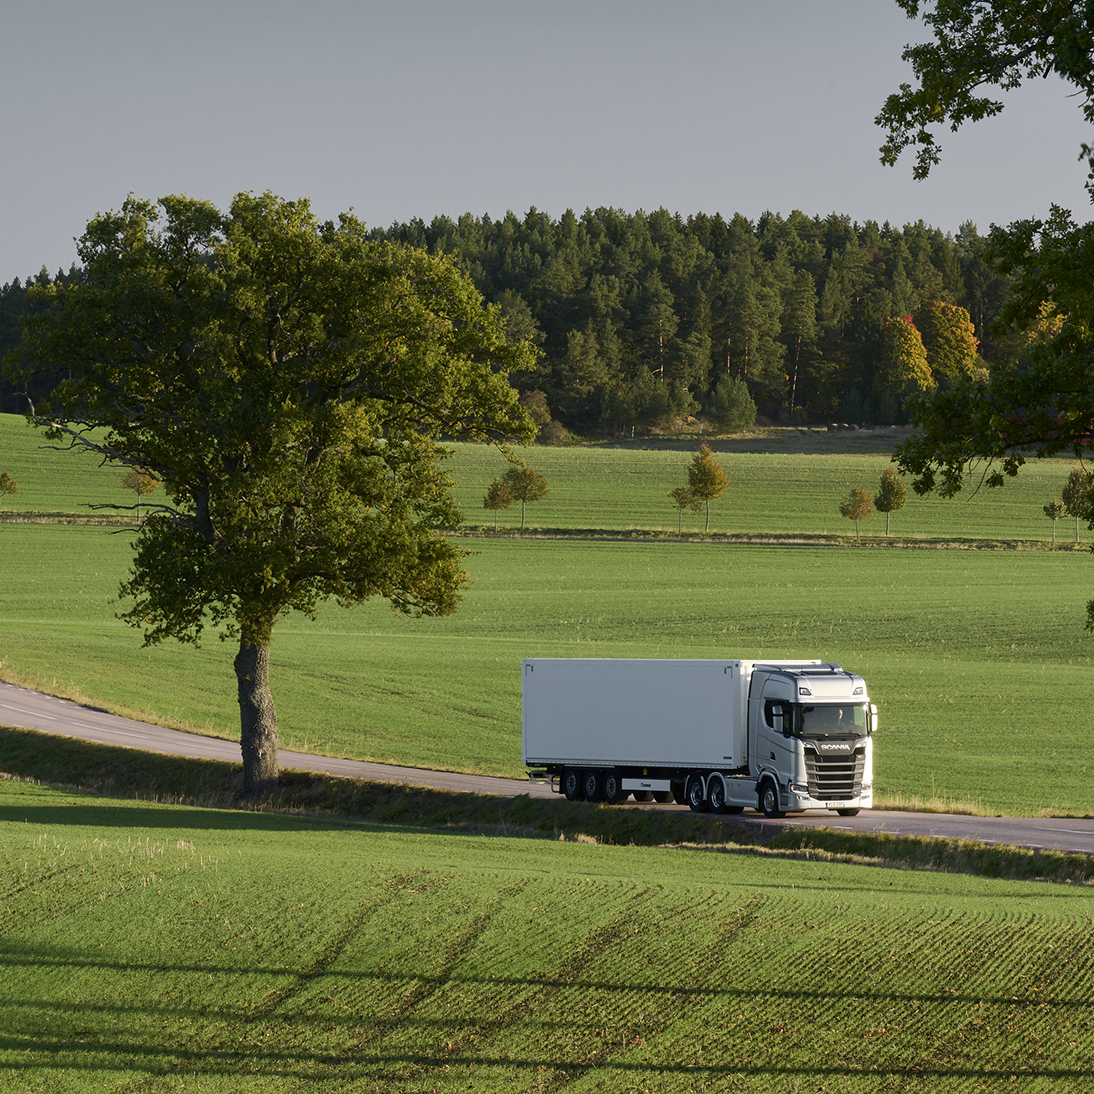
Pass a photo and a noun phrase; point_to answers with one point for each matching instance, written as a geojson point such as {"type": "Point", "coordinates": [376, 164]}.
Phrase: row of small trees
{"type": "Point", "coordinates": [519, 483]}
{"type": "Point", "coordinates": [139, 481]}
{"type": "Point", "coordinates": [708, 481]}
{"type": "Point", "coordinates": [1078, 501]}
{"type": "Point", "coordinates": [860, 505]}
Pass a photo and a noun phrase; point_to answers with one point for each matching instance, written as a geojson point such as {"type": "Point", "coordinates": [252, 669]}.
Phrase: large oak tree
{"type": "Point", "coordinates": [289, 382]}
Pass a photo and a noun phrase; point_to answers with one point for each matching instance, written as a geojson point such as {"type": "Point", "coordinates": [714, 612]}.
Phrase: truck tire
{"type": "Point", "coordinates": [613, 787]}
{"type": "Point", "coordinates": [769, 800]}
{"type": "Point", "coordinates": [697, 799]}
{"type": "Point", "coordinates": [716, 794]}
{"type": "Point", "coordinates": [571, 784]}
{"type": "Point", "coordinates": [847, 812]}
{"type": "Point", "coordinates": [592, 784]}
{"type": "Point", "coordinates": [662, 796]}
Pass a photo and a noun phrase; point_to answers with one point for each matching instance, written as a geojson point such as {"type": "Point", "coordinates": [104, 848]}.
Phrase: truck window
{"type": "Point", "coordinates": [790, 712]}
{"type": "Point", "coordinates": [834, 720]}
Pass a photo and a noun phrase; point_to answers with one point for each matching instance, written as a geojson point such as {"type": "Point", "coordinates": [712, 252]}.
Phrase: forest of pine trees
{"type": "Point", "coordinates": [645, 319]}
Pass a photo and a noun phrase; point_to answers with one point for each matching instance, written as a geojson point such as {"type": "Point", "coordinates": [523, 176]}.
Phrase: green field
{"type": "Point", "coordinates": [977, 658]}
{"type": "Point", "coordinates": [784, 483]}
{"type": "Point", "coordinates": [169, 949]}
{"type": "Point", "coordinates": [149, 948]}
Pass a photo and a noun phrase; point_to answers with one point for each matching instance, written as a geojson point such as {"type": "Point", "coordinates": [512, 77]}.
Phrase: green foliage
{"type": "Point", "coordinates": [498, 496]}
{"type": "Point", "coordinates": [287, 381]}
{"type": "Point", "coordinates": [707, 479]}
{"type": "Point", "coordinates": [993, 43]}
{"type": "Point", "coordinates": [892, 494]}
{"type": "Point", "coordinates": [858, 505]}
{"type": "Point", "coordinates": [1047, 407]}
{"type": "Point", "coordinates": [949, 341]}
{"type": "Point", "coordinates": [141, 483]}
{"type": "Point", "coordinates": [1078, 496]}
{"type": "Point", "coordinates": [1054, 511]}
{"type": "Point", "coordinates": [731, 405]}
{"type": "Point", "coordinates": [7, 484]}
{"type": "Point", "coordinates": [640, 316]}
{"type": "Point", "coordinates": [524, 485]}
{"type": "Point", "coordinates": [1042, 410]}
{"type": "Point", "coordinates": [684, 500]}
{"type": "Point", "coordinates": [904, 370]}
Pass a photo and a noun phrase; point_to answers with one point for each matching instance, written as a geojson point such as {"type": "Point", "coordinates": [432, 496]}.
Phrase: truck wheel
{"type": "Point", "coordinates": [591, 784]}
{"type": "Point", "coordinates": [613, 787]}
{"type": "Point", "coordinates": [847, 812]}
{"type": "Point", "coordinates": [769, 800]}
{"type": "Point", "coordinates": [716, 794]}
{"type": "Point", "coordinates": [571, 784]}
{"type": "Point", "coordinates": [697, 799]}
{"type": "Point", "coordinates": [662, 796]}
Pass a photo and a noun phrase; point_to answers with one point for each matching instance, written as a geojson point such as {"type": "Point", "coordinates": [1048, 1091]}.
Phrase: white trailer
{"type": "Point", "coordinates": [777, 736]}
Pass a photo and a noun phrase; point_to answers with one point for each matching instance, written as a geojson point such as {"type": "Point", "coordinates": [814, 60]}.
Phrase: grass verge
{"type": "Point", "coordinates": [146, 776]}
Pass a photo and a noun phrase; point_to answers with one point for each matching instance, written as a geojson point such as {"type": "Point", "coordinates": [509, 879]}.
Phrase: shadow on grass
{"type": "Point", "coordinates": [214, 786]}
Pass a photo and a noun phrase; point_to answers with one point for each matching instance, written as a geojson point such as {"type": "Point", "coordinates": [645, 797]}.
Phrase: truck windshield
{"type": "Point", "coordinates": [834, 720]}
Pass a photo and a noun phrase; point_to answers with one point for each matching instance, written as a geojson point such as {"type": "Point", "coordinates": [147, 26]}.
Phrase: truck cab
{"type": "Point", "coordinates": [809, 738]}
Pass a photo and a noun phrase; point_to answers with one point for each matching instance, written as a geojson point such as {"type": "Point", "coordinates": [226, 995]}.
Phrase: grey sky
{"type": "Point", "coordinates": [423, 107]}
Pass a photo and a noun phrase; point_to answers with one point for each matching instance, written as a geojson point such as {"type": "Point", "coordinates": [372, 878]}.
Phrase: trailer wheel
{"type": "Point", "coordinates": [847, 812]}
{"type": "Point", "coordinates": [716, 794]}
{"type": "Point", "coordinates": [662, 796]}
{"type": "Point", "coordinates": [613, 787]}
{"type": "Point", "coordinates": [571, 784]}
{"type": "Point", "coordinates": [769, 800]}
{"type": "Point", "coordinates": [697, 799]}
{"type": "Point", "coordinates": [592, 785]}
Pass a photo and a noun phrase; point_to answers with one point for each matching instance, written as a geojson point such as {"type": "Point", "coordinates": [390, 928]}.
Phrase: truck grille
{"type": "Point", "coordinates": [834, 776]}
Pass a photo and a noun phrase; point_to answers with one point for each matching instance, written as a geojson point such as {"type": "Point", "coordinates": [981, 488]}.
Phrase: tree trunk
{"type": "Point", "coordinates": [257, 720]}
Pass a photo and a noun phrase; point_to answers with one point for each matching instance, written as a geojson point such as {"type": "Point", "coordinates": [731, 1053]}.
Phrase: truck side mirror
{"type": "Point", "coordinates": [873, 717]}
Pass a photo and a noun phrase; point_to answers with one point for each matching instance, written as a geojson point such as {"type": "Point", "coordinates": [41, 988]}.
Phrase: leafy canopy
{"type": "Point", "coordinates": [525, 485]}
{"type": "Point", "coordinates": [1046, 408]}
{"type": "Point", "coordinates": [858, 505]}
{"type": "Point", "coordinates": [287, 380]}
{"type": "Point", "coordinates": [707, 479]}
{"type": "Point", "coordinates": [981, 44]}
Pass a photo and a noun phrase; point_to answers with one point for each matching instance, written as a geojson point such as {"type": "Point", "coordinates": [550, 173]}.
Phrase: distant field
{"type": "Point", "coordinates": [977, 659]}
{"type": "Point", "coordinates": [772, 493]}
{"type": "Point", "coordinates": [168, 949]}
{"type": "Point", "coordinates": [779, 490]}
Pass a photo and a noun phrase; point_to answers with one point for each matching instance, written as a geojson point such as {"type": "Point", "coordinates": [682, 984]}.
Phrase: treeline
{"type": "Point", "coordinates": [644, 319]}
{"type": "Point", "coordinates": [15, 303]}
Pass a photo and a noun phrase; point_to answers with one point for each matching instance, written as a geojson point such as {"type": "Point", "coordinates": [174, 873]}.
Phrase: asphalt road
{"type": "Point", "coordinates": [33, 710]}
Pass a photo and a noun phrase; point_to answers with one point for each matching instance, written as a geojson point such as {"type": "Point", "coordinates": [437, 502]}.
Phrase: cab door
{"type": "Point", "coordinates": [770, 715]}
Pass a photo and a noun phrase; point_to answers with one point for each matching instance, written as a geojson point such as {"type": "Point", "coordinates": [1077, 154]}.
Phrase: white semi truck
{"type": "Point", "coordinates": [776, 736]}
